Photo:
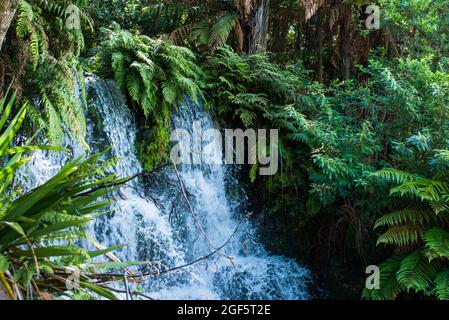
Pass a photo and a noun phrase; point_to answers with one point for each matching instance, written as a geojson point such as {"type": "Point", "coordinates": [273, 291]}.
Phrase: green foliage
{"type": "Point", "coordinates": [334, 136]}
{"type": "Point", "coordinates": [52, 48]}
{"type": "Point", "coordinates": [246, 86]}
{"type": "Point", "coordinates": [30, 263]}
{"type": "Point", "coordinates": [422, 25]}
{"type": "Point", "coordinates": [156, 75]}
{"type": "Point", "coordinates": [421, 231]}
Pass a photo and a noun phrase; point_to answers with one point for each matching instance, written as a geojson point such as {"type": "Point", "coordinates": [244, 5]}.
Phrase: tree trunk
{"type": "Point", "coordinates": [279, 25]}
{"type": "Point", "coordinates": [345, 40]}
{"type": "Point", "coordinates": [7, 11]}
{"type": "Point", "coordinates": [254, 22]}
{"type": "Point", "coordinates": [319, 31]}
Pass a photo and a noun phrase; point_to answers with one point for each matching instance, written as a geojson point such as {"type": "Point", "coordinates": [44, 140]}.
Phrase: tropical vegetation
{"type": "Point", "coordinates": [363, 116]}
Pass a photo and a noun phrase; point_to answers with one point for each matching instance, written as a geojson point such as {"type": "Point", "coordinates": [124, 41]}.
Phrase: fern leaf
{"type": "Point", "coordinates": [437, 240]}
{"type": "Point", "coordinates": [34, 50]}
{"type": "Point", "coordinates": [442, 285]}
{"type": "Point", "coordinates": [409, 215]}
{"type": "Point", "coordinates": [416, 272]}
{"type": "Point", "coordinates": [404, 235]}
{"type": "Point", "coordinates": [395, 176]}
{"type": "Point", "coordinates": [221, 30]}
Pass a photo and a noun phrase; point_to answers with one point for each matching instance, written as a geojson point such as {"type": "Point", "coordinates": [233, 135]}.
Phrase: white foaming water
{"type": "Point", "coordinates": [152, 217]}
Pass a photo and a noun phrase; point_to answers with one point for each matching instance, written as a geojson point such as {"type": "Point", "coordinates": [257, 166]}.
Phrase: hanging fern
{"type": "Point", "coordinates": [155, 74]}
{"type": "Point", "coordinates": [52, 78]}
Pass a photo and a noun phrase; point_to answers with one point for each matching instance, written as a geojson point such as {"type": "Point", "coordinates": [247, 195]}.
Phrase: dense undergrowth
{"type": "Point", "coordinates": [363, 118]}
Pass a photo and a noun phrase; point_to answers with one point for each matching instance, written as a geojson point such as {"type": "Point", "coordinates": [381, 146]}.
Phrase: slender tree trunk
{"type": "Point", "coordinates": [7, 11]}
{"type": "Point", "coordinates": [279, 22]}
{"type": "Point", "coordinates": [319, 31]}
{"type": "Point", "coordinates": [299, 38]}
{"type": "Point", "coordinates": [345, 41]}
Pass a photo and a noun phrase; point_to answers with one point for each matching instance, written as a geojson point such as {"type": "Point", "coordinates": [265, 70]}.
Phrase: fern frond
{"type": "Point", "coordinates": [222, 29]}
{"type": "Point", "coordinates": [415, 216]}
{"type": "Point", "coordinates": [416, 272]}
{"type": "Point", "coordinates": [25, 16]}
{"type": "Point", "coordinates": [442, 285]}
{"type": "Point", "coordinates": [395, 176]}
{"type": "Point", "coordinates": [437, 240]}
{"type": "Point", "coordinates": [34, 49]}
{"type": "Point", "coordinates": [179, 35]}
{"type": "Point", "coordinates": [404, 235]}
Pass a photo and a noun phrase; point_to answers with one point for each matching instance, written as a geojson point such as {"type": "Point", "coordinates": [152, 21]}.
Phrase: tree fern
{"type": "Point", "coordinates": [221, 29]}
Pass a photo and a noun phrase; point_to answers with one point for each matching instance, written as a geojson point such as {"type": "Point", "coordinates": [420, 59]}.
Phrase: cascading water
{"type": "Point", "coordinates": [177, 216]}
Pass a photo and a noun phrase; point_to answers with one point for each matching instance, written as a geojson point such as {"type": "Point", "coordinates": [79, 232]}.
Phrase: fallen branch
{"type": "Point", "coordinates": [195, 219]}
{"type": "Point", "coordinates": [153, 273]}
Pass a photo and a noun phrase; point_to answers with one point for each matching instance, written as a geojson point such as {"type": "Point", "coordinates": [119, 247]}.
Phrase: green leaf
{"type": "Point", "coordinates": [47, 252]}
{"type": "Point", "coordinates": [117, 265]}
{"type": "Point", "coordinates": [416, 272]}
{"type": "Point", "coordinates": [99, 290]}
{"type": "Point", "coordinates": [389, 287]}
{"type": "Point", "coordinates": [437, 240]}
{"type": "Point", "coordinates": [97, 253]}
{"type": "Point", "coordinates": [15, 226]}
{"type": "Point", "coordinates": [442, 285]}
{"type": "Point", "coordinates": [4, 265]}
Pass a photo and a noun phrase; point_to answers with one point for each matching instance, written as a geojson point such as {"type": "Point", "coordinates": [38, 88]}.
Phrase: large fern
{"type": "Point", "coordinates": [421, 230]}
{"type": "Point", "coordinates": [155, 74]}
{"type": "Point", "coordinates": [51, 82]}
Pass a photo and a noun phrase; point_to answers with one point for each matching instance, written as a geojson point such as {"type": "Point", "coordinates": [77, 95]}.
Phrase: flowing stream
{"type": "Point", "coordinates": [173, 224]}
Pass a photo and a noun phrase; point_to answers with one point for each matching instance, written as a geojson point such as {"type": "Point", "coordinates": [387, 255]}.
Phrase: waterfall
{"type": "Point", "coordinates": [175, 217]}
